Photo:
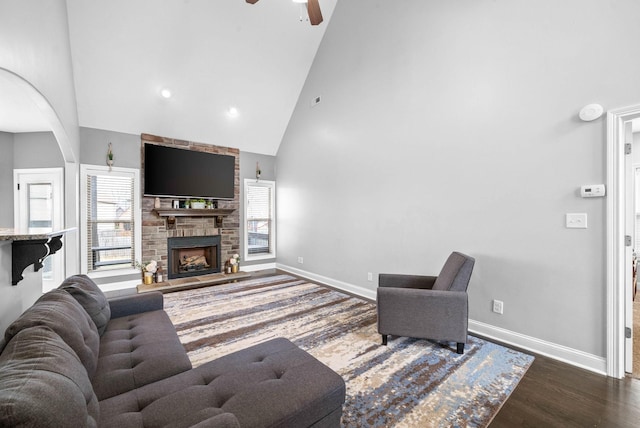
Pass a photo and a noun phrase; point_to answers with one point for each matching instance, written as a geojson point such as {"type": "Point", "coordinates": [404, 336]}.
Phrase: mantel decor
{"type": "Point", "coordinates": [171, 213]}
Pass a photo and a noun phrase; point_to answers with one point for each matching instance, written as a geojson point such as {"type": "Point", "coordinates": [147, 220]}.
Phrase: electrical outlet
{"type": "Point", "coordinates": [300, 260]}
{"type": "Point", "coordinates": [369, 276]}
{"type": "Point", "coordinates": [498, 306]}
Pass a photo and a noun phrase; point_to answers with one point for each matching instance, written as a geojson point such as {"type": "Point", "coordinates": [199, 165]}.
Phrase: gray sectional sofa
{"type": "Point", "coordinates": [77, 359]}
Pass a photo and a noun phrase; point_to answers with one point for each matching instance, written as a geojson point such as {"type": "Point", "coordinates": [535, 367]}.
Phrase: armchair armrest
{"type": "Point", "coordinates": [406, 281]}
{"type": "Point", "coordinates": [433, 314]}
{"type": "Point", "coordinates": [136, 304]}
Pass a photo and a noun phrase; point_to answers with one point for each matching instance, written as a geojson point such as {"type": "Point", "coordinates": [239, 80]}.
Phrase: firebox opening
{"type": "Point", "coordinates": [191, 256]}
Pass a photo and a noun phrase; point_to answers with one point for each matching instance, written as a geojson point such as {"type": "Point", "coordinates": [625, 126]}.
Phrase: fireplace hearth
{"type": "Point", "coordinates": [192, 256]}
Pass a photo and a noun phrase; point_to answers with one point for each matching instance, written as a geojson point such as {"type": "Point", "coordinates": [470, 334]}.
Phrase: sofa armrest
{"type": "Point", "coordinates": [406, 281]}
{"type": "Point", "coordinates": [136, 304]}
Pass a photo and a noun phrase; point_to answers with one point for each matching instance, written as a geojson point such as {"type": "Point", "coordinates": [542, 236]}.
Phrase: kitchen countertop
{"type": "Point", "coordinates": [9, 234]}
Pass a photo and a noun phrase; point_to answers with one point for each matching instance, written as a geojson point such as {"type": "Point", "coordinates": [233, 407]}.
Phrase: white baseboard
{"type": "Point", "coordinates": [340, 285]}
{"type": "Point", "coordinates": [255, 268]}
{"type": "Point", "coordinates": [562, 353]}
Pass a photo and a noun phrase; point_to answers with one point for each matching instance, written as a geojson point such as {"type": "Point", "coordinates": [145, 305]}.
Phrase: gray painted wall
{"type": "Point", "coordinates": [248, 170]}
{"type": "Point", "coordinates": [453, 126]}
{"type": "Point", "coordinates": [94, 144]}
{"type": "Point", "coordinates": [36, 150]}
{"type": "Point", "coordinates": [6, 180]}
{"type": "Point", "coordinates": [35, 46]}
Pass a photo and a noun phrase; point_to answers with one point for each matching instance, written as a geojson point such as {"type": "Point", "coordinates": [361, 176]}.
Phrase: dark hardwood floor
{"type": "Point", "coordinates": [556, 394]}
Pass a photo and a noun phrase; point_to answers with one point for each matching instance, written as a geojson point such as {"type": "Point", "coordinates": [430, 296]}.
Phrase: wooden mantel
{"type": "Point", "coordinates": [172, 213]}
{"type": "Point", "coordinates": [189, 212]}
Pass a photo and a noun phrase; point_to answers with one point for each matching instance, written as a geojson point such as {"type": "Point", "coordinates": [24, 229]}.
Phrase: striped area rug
{"type": "Point", "coordinates": [410, 383]}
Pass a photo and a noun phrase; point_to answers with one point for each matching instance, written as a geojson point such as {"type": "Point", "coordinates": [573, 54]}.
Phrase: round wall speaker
{"type": "Point", "coordinates": [591, 112]}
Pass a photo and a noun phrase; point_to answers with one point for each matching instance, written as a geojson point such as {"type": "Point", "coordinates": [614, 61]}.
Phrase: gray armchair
{"type": "Point", "coordinates": [427, 307]}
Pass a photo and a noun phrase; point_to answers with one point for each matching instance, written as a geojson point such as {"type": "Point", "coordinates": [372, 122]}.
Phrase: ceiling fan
{"type": "Point", "coordinates": [313, 9]}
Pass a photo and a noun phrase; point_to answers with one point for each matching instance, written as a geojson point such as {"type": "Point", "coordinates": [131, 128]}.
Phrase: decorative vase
{"type": "Point", "coordinates": [148, 278]}
{"type": "Point", "coordinates": [234, 268]}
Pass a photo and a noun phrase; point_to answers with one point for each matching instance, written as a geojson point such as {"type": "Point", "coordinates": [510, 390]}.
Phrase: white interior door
{"type": "Point", "coordinates": [39, 208]}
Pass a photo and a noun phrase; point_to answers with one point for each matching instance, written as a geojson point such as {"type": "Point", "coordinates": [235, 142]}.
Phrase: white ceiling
{"type": "Point", "coordinates": [17, 112]}
{"type": "Point", "coordinates": [211, 54]}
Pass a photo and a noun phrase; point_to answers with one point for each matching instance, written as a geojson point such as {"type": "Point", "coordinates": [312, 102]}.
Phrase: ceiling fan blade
{"type": "Point", "coordinates": [252, 1]}
{"type": "Point", "coordinates": [313, 9]}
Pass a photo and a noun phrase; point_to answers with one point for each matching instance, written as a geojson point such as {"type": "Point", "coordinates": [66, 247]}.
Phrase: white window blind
{"type": "Point", "coordinates": [110, 220]}
{"type": "Point", "coordinates": [260, 221]}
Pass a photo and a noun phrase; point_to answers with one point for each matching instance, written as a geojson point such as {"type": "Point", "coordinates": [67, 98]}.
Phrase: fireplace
{"type": "Point", "coordinates": [193, 255]}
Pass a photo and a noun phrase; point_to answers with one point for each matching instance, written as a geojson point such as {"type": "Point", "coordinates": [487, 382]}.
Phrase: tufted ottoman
{"type": "Point", "coordinates": [273, 384]}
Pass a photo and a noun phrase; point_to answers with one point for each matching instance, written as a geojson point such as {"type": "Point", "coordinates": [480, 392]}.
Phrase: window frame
{"type": "Point", "coordinates": [272, 253]}
{"type": "Point", "coordinates": [86, 170]}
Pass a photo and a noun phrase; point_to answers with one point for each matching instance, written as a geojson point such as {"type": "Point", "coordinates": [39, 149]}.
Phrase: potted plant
{"type": "Point", "coordinates": [110, 156]}
{"type": "Point", "coordinates": [148, 270]}
{"type": "Point", "coordinates": [235, 263]}
{"type": "Point", "coordinates": [197, 204]}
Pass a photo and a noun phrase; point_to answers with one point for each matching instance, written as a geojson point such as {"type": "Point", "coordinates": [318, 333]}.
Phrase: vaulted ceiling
{"type": "Point", "coordinates": [211, 55]}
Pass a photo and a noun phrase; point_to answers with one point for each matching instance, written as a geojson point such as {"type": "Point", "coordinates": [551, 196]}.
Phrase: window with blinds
{"type": "Point", "coordinates": [109, 219]}
{"type": "Point", "coordinates": [260, 219]}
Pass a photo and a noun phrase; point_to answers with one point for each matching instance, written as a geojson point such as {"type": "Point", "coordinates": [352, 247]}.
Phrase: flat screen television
{"type": "Point", "coordinates": [181, 173]}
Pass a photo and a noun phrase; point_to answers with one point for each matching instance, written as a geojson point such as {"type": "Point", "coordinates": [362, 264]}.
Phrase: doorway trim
{"type": "Point", "coordinates": [616, 232]}
{"type": "Point", "coordinates": [71, 167]}
{"type": "Point", "coordinates": [54, 176]}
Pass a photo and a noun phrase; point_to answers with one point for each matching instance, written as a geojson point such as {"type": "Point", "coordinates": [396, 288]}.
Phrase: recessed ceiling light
{"type": "Point", "coordinates": [232, 112]}
{"type": "Point", "coordinates": [166, 93]}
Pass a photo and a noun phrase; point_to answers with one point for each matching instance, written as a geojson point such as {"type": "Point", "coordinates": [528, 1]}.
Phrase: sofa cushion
{"type": "Point", "coordinates": [273, 384]}
{"type": "Point", "coordinates": [136, 350]}
{"type": "Point", "coordinates": [43, 383]}
{"type": "Point", "coordinates": [92, 299]}
{"type": "Point", "coordinates": [64, 315]}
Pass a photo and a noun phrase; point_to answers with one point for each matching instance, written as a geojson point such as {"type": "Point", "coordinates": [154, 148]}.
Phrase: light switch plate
{"type": "Point", "coordinates": [576, 220]}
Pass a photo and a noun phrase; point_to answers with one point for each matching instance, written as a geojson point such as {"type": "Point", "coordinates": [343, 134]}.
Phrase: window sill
{"type": "Point", "coordinates": [260, 257]}
{"type": "Point", "coordinates": [114, 272]}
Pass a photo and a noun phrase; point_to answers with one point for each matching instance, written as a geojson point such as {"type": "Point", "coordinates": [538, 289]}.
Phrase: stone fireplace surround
{"type": "Point", "coordinates": [154, 228]}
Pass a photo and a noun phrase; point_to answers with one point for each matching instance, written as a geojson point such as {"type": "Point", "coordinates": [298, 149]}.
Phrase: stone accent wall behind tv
{"type": "Point", "coordinates": [154, 227]}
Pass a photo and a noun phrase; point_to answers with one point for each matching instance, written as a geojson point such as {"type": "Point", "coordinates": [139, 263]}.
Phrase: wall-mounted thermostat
{"type": "Point", "coordinates": [592, 190]}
